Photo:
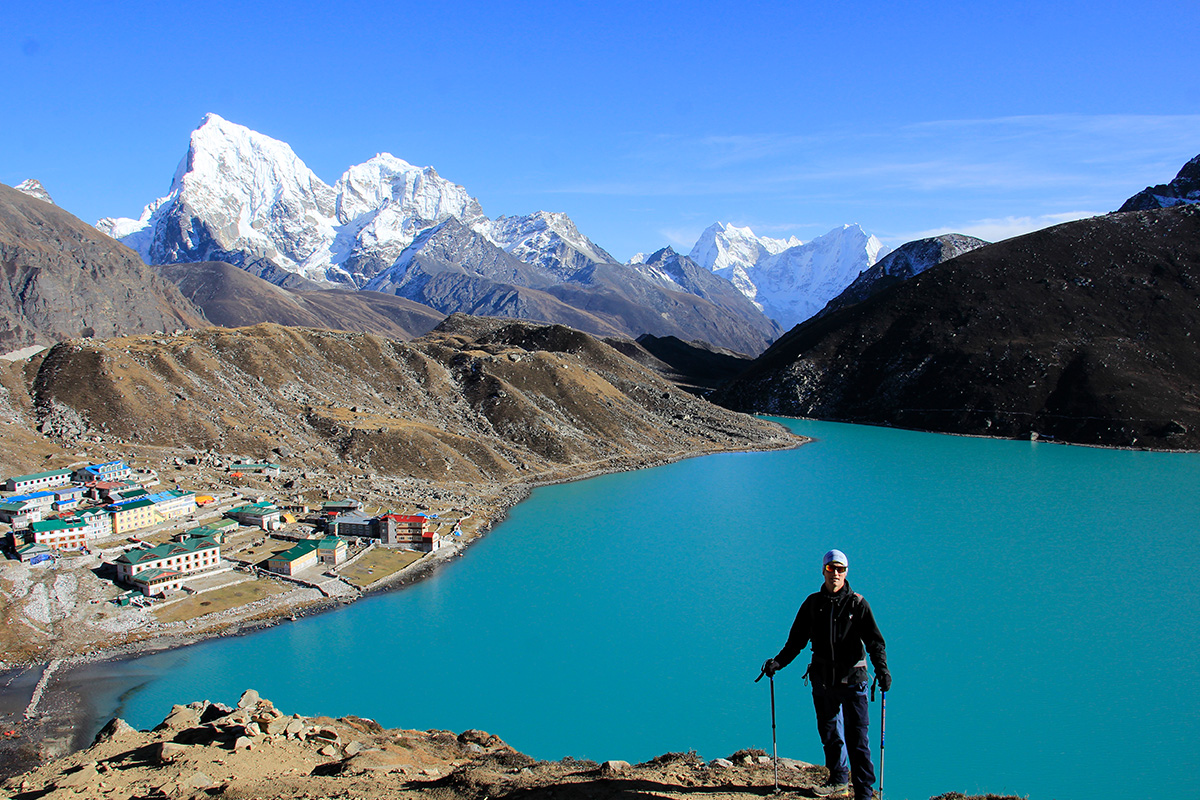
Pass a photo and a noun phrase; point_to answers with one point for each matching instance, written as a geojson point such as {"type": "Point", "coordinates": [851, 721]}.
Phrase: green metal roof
{"type": "Point", "coordinates": [148, 575]}
{"type": "Point", "coordinates": [56, 525]}
{"type": "Point", "coordinates": [134, 504]}
{"type": "Point", "coordinates": [167, 550]}
{"type": "Point", "coordinates": [36, 475]}
{"type": "Point", "coordinates": [296, 553]}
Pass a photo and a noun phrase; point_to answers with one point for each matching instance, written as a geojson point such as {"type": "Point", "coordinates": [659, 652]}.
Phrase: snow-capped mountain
{"type": "Point", "coordinates": [788, 279]}
{"type": "Point", "coordinates": [33, 187]}
{"type": "Point", "coordinates": [549, 240]}
{"type": "Point", "coordinates": [245, 198]}
{"type": "Point", "coordinates": [732, 252]}
{"type": "Point", "coordinates": [237, 194]}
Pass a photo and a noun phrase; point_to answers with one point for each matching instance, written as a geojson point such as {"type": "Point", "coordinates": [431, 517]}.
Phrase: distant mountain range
{"type": "Point", "coordinates": [243, 198]}
{"type": "Point", "coordinates": [790, 280]}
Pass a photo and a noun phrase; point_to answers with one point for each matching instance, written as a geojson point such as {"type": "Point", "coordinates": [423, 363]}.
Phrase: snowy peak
{"type": "Point", "coordinates": [788, 279]}
{"type": "Point", "coordinates": [546, 239]}
{"type": "Point", "coordinates": [34, 188]}
{"type": "Point", "coordinates": [245, 198]}
{"type": "Point", "coordinates": [723, 247]}
{"type": "Point", "coordinates": [414, 191]}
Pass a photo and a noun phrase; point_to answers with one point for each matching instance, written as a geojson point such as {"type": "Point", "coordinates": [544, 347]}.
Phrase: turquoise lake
{"type": "Point", "coordinates": [1041, 605]}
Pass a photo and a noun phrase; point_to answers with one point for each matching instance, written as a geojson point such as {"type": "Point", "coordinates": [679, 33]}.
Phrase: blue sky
{"type": "Point", "coordinates": [645, 122]}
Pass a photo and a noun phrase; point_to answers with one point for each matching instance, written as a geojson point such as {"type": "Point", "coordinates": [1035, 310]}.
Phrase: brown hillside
{"type": "Point", "coordinates": [62, 278]}
{"type": "Point", "coordinates": [477, 400]}
{"type": "Point", "coordinates": [234, 298]}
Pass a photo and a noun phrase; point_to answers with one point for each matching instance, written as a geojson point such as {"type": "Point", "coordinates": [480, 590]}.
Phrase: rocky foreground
{"type": "Point", "coordinates": [256, 751]}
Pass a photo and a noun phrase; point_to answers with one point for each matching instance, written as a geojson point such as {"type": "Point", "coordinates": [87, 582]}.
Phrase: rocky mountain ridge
{"type": "Point", "coordinates": [906, 261]}
{"type": "Point", "coordinates": [1185, 188]}
{"type": "Point", "coordinates": [482, 402]}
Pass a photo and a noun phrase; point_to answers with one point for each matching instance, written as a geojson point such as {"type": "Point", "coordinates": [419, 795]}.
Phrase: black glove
{"type": "Point", "coordinates": [885, 679]}
{"type": "Point", "coordinates": [770, 667]}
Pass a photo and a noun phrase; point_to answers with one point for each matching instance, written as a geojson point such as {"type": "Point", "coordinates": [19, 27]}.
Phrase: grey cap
{"type": "Point", "coordinates": [836, 555]}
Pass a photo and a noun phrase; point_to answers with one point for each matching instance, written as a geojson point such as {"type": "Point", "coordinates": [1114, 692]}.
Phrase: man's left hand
{"type": "Point", "coordinates": [885, 679]}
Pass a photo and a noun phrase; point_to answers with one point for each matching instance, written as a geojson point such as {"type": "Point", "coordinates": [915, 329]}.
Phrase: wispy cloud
{"type": "Point", "coordinates": [1003, 154]}
{"type": "Point", "coordinates": [994, 230]}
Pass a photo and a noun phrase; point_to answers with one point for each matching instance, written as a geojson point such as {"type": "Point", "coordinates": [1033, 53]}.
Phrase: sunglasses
{"type": "Point", "coordinates": [835, 568]}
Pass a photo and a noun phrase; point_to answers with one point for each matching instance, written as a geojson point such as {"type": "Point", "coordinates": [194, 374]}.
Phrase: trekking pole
{"type": "Point", "coordinates": [882, 731]}
{"type": "Point", "coordinates": [774, 746]}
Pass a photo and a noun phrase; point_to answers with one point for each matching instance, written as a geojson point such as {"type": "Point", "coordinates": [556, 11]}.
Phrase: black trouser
{"type": "Point", "coordinates": [842, 723]}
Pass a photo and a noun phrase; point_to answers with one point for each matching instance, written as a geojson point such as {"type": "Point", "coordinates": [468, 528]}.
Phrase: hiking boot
{"type": "Point", "coordinates": [832, 789]}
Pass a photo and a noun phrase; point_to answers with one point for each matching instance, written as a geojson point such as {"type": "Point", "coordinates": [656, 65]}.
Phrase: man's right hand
{"type": "Point", "coordinates": [770, 667]}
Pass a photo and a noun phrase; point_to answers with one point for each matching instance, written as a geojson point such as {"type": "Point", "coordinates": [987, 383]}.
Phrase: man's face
{"type": "Point", "coordinates": [835, 576]}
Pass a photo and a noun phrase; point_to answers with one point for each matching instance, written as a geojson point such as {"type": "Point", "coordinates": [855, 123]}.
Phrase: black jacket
{"type": "Point", "coordinates": [839, 627]}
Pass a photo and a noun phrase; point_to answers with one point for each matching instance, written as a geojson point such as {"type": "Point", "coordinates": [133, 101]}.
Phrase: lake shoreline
{"type": "Point", "coordinates": [60, 722]}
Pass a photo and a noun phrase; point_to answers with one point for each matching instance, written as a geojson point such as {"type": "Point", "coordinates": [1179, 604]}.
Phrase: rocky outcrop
{"type": "Point", "coordinates": [205, 749]}
{"type": "Point", "coordinates": [62, 278]}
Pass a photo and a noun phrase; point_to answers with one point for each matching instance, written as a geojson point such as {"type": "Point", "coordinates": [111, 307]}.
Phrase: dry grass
{"type": "Point", "coordinates": [377, 564]}
{"type": "Point", "coordinates": [222, 599]}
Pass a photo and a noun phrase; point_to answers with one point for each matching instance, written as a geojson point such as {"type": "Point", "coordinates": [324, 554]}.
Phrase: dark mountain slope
{"type": "Point", "coordinates": [233, 298]}
{"type": "Point", "coordinates": [695, 367]}
{"type": "Point", "coordinates": [63, 278]}
{"type": "Point", "coordinates": [1085, 332]}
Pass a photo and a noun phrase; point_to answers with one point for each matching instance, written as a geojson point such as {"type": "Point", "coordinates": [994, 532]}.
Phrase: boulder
{"type": "Point", "coordinates": [114, 729]}
{"type": "Point", "coordinates": [180, 717]}
{"type": "Point", "coordinates": [614, 767]}
{"type": "Point", "coordinates": [169, 751]}
{"type": "Point", "coordinates": [249, 698]}
{"type": "Point", "coordinates": [200, 781]}
{"type": "Point", "coordinates": [214, 711]}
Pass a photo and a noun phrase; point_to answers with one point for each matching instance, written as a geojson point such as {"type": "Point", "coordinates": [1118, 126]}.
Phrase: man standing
{"type": "Point", "coordinates": [839, 624]}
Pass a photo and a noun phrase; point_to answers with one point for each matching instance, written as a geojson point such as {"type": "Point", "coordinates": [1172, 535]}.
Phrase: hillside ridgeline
{"type": "Point", "coordinates": [477, 400]}
{"type": "Point", "coordinates": [1084, 333]}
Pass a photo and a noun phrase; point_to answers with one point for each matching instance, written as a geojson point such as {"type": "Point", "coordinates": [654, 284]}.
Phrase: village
{"type": "Point", "coordinates": [158, 546]}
